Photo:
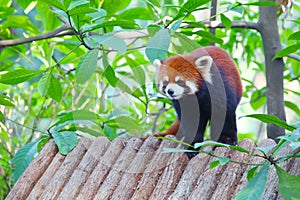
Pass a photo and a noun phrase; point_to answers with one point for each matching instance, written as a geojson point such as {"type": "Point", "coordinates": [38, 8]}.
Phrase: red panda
{"type": "Point", "coordinates": [203, 86]}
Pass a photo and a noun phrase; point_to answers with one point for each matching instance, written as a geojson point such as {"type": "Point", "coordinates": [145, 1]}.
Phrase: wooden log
{"type": "Point", "coordinates": [85, 167]}
{"type": "Point", "coordinates": [170, 176]}
{"type": "Point", "coordinates": [119, 168]}
{"type": "Point", "coordinates": [46, 177]}
{"type": "Point", "coordinates": [33, 172]}
{"type": "Point", "coordinates": [231, 176]}
{"type": "Point", "coordinates": [153, 171]}
{"type": "Point", "coordinates": [190, 175]}
{"type": "Point", "coordinates": [210, 178]}
{"type": "Point", "coordinates": [130, 178]}
{"type": "Point", "coordinates": [103, 167]}
{"type": "Point", "coordinates": [66, 170]}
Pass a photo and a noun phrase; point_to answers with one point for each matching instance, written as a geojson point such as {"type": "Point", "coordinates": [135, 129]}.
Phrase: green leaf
{"type": "Point", "coordinates": [273, 120]}
{"type": "Point", "coordinates": [6, 101]}
{"type": "Point", "coordinates": [175, 26]}
{"type": "Point", "coordinates": [55, 90]}
{"type": "Point", "coordinates": [125, 122]}
{"type": "Point", "coordinates": [226, 21]}
{"type": "Point", "coordinates": [125, 24]}
{"type": "Point", "coordinates": [178, 150]}
{"type": "Point", "coordinates": [69, 5]}
{"type": "Point", "coordinates": [223, 160]}
{"type": "Point", "coordinates": [186, 44]}
{"type": "Point", "coordinates": [256, 186]}
{"type": "Point", "coordinates": [111, 41]}
{"type": "Point", "coordinates": [176, 141]}
{"type": "Point", "coordinates": [292, 106]}
{"type": "Point", "coordinates": [210, 37]}
{"type": "Point", "coordinates": [65, 141]}
{"type": "Point", "coordinates": [54, 3]}
{"type": "Point", "coordinates": [261, 3]}
{"type": "Point", "coordinates": [112, 6]}
{"type": "Point", "coordinates": [210, 143]}
{"type": "Point", "coordinates": [289, 185]}
{"type": "Point", "coordinates": [110, 132]}
{"type": "Point", "coordinates": [24, 3]}
{"type": "Point", "coordinates": [1, 116]}
{"type": "Point", "coordinates": [87, 66]}
{"type": "Point", "coordinates": [234, 8]}
{"type": "Point", "coordinates": [18, 76]}
{"type": "Point", "coordinates": [189, 7]}
{"type": "Point", "coordinates": [81, 11]}
{"type": "Point", "coordinates": [110, 75]}
{"type": "Point", "coordinates": [42, 142]}
{"type": "Point", "coordinates": [136, 13]}
{"type": "Point", "coordinates": [44, 83]}
{"type": "Point", "coordinates": [23, 158]}
{"type": "Point", "coordinates": [20, 21]}
{"type": "Point", "coordinates": [138, 73]}
{"type": "Point", "coordinates": [258, 99]}
{"type": "Point", "coordinates": [152, 29]}
{"type": "Point", "coordinates": [240, 149]}
{"type": "Point", "coordinates": [295, 36]}
{"type": "Point", "coordinates": [251, 173]}
{"type": "Point", "coordinates": [214, 164]}
{"type": "Point", "coordinates": [158, 45]}
{"type": "Point", "coordinates": [286, 51]}
{"type": "Point", "coordinates": [75, 115]}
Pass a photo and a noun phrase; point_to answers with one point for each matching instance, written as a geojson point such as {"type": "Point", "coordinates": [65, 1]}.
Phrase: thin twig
{"type": "Point", "coordinates": [54, 33]}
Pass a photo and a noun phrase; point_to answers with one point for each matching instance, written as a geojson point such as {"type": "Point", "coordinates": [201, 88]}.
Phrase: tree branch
{"type": "Point", "coordinates": [213, 13]}
{"type": "Point", "coordinates": [235, 24]}
{"type": "Point", "coordinates": [54, 33]}
{"type": "Point", "coordinates": [294, 56]}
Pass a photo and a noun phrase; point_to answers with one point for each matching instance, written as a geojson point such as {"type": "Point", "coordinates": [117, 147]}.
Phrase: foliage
{"type": "Point", "coordinates": [257, 176]}
{"type": "Point", "coordinates": [83, 68]}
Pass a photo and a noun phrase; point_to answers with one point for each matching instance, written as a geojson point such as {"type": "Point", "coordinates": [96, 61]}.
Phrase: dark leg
{"type": "Point", "coordinates": [229, 132]}
{"type": "Point", "coordinates": [198, 138]}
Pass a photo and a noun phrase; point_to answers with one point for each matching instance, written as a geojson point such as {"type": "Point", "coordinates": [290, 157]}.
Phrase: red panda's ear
{"type": "Point", "coordinates": [204, 64]}
{"type": "Point", "coordinates": [157, 63]}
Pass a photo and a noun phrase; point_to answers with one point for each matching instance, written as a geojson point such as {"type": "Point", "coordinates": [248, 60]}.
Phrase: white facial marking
{"type": "Point", "coordinates": [157, 63]}
{"type": "Point", "coordinates": [166, 78]}
{"type": "Point", "coordinates": [177, 78]}
{"type": "Point", "coordinates": [160, 86]}
{"type": "Point", "coordinates": [192, 87]}
{"type": "Point", "coordinates": [177, 91]}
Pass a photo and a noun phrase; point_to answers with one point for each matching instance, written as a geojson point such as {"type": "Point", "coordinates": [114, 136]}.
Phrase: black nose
{"type": "Point", "coordinates": [170, 91]}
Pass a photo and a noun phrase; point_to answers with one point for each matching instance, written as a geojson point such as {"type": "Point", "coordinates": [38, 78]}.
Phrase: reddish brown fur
{"type": "Point", "coordinates": [223, 60]}
{"type": "Point", "coordinates": [184, 66]}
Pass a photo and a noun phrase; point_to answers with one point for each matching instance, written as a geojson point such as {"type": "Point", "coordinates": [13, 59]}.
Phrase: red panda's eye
{"type": "Point", "coordinates": [180, 83]}
{"type": "Point", "coordinates": [165, 83]}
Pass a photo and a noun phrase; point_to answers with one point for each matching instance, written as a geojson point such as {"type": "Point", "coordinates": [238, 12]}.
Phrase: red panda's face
{"type": "Point", "coordinates": [179, 76]}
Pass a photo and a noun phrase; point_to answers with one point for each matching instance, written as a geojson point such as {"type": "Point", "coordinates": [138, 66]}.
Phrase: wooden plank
{"type": "Point", "coordinates": [111, 182]}
{"type": "Point", "coordinates": [33, 172]}
{"type": "Point", "coordinates": [135, 170]}
{"type": "Point", "coordinates": [84, 169]}
{"type": "Point", "coordinates": [189, 178]}
{"type": "Point", "coordinates": [233, 172]}
{"type": "Point", "coordinates": [66, 170]}
{"type": "Point", "coordinates": [170, 176]}
{"type": "Point", "coordinates": [210, 178]}
{"type": "Point", "coordinates": [103, 167]}
{"type": "Point", "coordinates": [46, 177]}
{"type": "Point", "coordinates": [153, 171]}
